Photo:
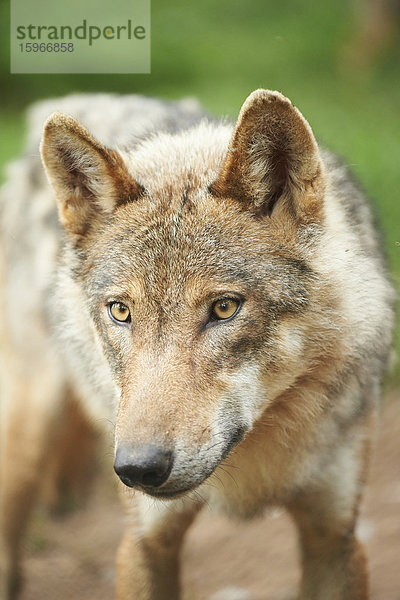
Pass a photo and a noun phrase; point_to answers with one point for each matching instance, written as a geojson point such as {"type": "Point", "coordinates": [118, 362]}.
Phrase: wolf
{"type": "Point", "coordinates": [216, 292]}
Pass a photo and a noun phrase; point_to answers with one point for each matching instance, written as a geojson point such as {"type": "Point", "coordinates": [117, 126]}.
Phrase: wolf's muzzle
{"type": "Point", "coordinates": [144, 466]}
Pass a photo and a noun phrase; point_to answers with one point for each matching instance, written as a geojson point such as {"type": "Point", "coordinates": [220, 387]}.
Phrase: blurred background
{"type": "Point", "coordinates": [339, 62]}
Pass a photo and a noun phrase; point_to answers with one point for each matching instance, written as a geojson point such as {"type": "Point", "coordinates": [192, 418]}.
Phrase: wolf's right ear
{"type": "Point", "coordinates": [88, 178]}
{"type": "Point", "coordinates": [272, 155]}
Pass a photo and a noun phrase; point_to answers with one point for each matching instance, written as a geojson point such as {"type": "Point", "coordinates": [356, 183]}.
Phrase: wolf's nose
{"type": "Point", "coordinates": [147, 466]}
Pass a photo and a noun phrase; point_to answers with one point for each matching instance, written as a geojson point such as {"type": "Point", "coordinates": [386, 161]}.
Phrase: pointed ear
{"type": "Point", "coordinates": [89, 180]}
{"type": "Point", "coordinates": [272, 154]}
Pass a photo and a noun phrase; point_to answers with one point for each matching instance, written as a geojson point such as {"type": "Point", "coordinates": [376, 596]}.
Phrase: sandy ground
{"type": "Point", "coordinates": [73, 557]}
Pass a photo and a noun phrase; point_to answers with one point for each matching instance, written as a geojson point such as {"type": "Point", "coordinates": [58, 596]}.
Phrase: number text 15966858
{"type": "Point", "coordinates": [47, 47]}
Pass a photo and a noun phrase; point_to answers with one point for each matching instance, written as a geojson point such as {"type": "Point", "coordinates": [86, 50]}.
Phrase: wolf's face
{"type": "Point", "coordinates": [186, 310]}
{"type": "Point", "coordinates": [197, 281]}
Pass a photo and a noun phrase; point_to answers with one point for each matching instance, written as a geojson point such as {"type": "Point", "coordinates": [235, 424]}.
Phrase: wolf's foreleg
{"type": "Point", "coordinates": [148, 556]}
{"type": "Point", "coordinates": [32, 400]}
{"type": "Point", "coordinates": [333, 561]}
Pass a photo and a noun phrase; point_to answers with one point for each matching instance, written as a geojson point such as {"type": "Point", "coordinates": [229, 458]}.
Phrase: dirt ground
{"type": "Point", "coordinates": [73, 557]}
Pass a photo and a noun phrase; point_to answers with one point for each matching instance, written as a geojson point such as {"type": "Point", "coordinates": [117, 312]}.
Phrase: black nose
{"type": "Point", "coordinates": [147, 466]}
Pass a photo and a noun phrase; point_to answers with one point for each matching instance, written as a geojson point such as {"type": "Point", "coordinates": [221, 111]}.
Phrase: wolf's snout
{"type": "Point", "coordinates": [144, 466]}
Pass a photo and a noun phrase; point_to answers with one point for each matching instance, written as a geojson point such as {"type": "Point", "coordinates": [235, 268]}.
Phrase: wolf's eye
{"type": "Point", "coordinates": [225, 309]}
{"type": "Point", "coordinates": [119, 312]}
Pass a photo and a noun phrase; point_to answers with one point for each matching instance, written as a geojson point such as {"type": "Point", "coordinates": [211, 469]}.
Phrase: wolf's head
{"type": "Point", "coordinates": [191, 254]}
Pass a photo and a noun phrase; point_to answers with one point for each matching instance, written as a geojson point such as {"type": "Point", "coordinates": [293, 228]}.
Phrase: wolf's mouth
{"type": "Point", "coordinates": [163, 493]}
{"type": "Point", "coordinates": [236, 438]}
{"type": "Point", "coordinates": [169, 494]}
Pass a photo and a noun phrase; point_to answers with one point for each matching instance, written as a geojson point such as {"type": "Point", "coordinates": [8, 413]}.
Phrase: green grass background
{"type": "Point", "coordinates": [220, 50]}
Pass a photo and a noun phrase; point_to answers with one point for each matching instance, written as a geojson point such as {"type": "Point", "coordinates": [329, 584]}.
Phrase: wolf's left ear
{"type": "Point", "coordinates": [272, 154]}
{"type": "Point", "coordinates": [89, 180]}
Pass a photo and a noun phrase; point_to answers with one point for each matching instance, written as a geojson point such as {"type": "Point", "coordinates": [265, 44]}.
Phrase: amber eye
{"type": "Point", "coordinates": [225, 308]}
{"type": "Point", "coordinates": [119, 312]}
